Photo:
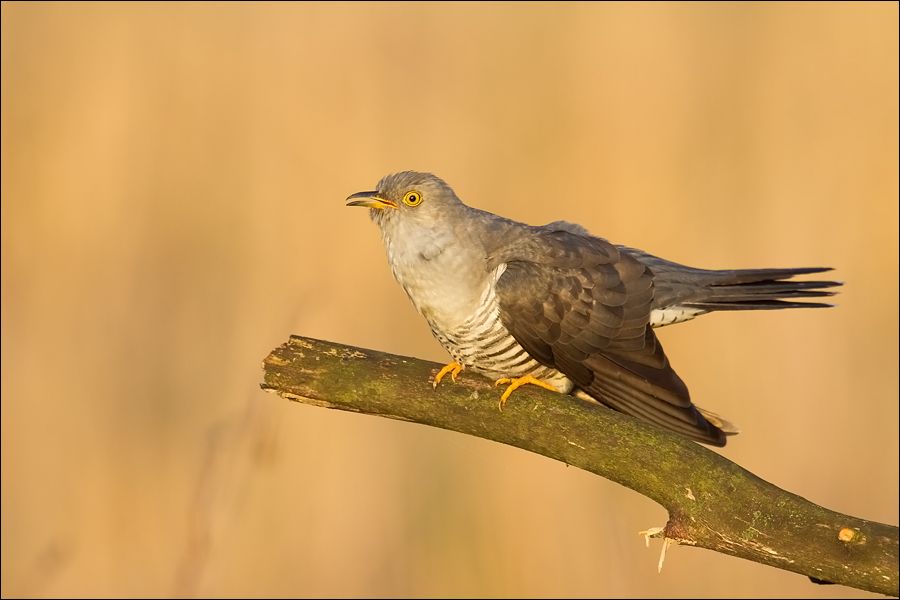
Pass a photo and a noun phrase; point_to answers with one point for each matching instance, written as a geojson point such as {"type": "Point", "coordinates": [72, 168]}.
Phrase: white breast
{"type": "Point", "coordinates": [439, 282]}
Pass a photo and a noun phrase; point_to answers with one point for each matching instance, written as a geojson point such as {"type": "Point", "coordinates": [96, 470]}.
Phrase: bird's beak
{"type": "Point", "coordinates": [369, 199]}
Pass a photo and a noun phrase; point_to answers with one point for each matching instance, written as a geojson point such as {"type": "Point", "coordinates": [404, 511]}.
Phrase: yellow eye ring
{"type": "Point", "coordinates": [412, 198]}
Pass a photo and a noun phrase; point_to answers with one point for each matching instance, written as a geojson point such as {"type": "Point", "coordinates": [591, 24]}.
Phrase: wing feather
{"type": "Point", "coordinates": [579, 305]}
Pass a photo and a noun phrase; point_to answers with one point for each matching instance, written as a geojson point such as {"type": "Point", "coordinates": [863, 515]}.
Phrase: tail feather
{"type": "Point", "coordinates": [735, 276]}
{"type": "Point", "coordinates": [687, 292]}
{"type": "Point", "coordinates": [754, 305]}
{"type": "Point", "coordinates": [778, 287]}
{"type": "Point", "coordinates": [761, 289]}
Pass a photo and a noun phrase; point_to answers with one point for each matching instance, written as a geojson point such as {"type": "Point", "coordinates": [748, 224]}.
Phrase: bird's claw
{"type": "Point", "coordinates": [453, 368]}
{"type": "Point", "coordinates": [518, 382]}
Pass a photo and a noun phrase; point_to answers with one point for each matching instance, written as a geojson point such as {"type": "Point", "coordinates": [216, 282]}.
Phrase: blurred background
{"type": "Point", "coordinates": [173, 184]}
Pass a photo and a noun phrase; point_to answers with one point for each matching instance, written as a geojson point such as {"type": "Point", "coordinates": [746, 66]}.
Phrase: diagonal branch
{"type": "Point", "coordinates": [712, 502]}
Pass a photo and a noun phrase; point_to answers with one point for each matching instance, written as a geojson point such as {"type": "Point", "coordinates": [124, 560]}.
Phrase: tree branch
{"type": "Point", "coordinates": [712, 502]}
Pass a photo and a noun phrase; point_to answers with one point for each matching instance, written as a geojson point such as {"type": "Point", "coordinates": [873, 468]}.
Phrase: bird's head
{"type": "Point", "coordinates": [409, 197]}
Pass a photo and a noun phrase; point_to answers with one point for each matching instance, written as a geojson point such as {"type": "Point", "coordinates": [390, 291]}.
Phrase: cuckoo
{"type": "Point", "coordinates": [557, 307]}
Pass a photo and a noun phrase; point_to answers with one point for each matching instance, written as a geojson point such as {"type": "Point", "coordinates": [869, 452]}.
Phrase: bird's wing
{"type": "Point", "coordinates": [579, 305]}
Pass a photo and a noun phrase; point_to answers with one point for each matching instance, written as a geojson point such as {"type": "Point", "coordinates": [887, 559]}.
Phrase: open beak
{"type": "Point", "coordinates": [369, 199]}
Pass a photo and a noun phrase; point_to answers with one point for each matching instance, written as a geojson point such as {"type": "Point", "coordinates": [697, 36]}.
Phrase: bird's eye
{"type": "Point", "coordinates": [412, 199]}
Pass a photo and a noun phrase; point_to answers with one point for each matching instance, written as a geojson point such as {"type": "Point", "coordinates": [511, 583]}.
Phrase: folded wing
{"type": "Point", "coordinates": [579, 305]}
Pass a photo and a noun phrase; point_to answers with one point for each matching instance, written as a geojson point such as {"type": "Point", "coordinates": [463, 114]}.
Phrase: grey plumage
{"type": "Point", "coordinates": [507, 299]}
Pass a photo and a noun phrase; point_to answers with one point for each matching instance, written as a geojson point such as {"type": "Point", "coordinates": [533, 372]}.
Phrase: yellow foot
{"type": "Point", "coordinates": [453, 368]}
{"type": "Point", "coordinates": [515, 384]}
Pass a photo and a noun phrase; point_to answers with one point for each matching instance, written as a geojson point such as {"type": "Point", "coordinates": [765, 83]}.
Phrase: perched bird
{"type": "Point", "coordinates": [554, 306]}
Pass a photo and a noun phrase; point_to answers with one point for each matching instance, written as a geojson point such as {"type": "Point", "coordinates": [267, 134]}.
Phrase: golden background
{"type": "Point", "coordinates": [173, 178]}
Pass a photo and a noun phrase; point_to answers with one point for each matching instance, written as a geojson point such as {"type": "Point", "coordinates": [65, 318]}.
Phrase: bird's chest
{"type": "Point", "coordinates": [444, 280]}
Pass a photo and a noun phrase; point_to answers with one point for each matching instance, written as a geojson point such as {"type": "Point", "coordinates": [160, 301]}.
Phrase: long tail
{"type": "Point", "coordinates": [682, 292]}
{"type": "Point", "coordinates": [759, 289]}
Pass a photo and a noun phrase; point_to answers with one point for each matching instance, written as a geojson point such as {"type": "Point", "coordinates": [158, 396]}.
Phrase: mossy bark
{"type": "Point", "coordinates": [712, 502]}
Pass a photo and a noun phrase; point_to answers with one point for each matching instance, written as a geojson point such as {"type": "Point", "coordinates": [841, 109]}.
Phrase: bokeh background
{"type": "Point", "coordinates": [173, 178]}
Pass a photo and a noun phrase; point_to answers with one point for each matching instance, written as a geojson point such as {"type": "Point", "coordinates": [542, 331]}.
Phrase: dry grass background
{"type": "Point", "coordinates": [173, 185]}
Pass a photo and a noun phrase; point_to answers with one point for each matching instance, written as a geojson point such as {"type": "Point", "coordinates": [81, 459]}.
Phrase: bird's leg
{"type": "Point", "coordinates": [453, 368]}
{"type": "Point", "coordinates": [515, 384]}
